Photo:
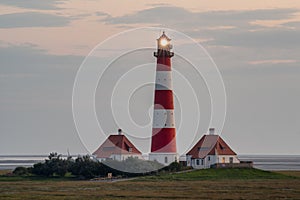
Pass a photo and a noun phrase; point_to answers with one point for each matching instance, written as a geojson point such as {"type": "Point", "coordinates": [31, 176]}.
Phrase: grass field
{"type": "Point", "coordinates": [201, 184]}
{"type": "Point", "coordinates": [2, 172]}
{"type": "Point", "coordinates": [290, 173]}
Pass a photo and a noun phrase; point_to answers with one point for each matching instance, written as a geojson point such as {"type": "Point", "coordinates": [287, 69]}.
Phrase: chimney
{"type": "Point", "coordinates": [211, 131]}
{"type": "Point", "coordinates": [119, 131]}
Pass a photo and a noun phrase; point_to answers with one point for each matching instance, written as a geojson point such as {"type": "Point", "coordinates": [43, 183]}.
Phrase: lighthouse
{"type": "Point", "coordinates": [163, 143]}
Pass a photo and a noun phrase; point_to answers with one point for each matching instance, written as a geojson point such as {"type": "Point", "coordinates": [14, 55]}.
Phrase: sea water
{"type": "Point", "coordinates": [273, 162]}
{"type": "Point", "coordinates": [265, 162]}
{"type": "Point", "coordinates": [13, 161]}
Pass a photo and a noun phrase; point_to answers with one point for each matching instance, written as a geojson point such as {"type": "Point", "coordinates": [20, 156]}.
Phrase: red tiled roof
{"type": "Point", "coordinates": [210, 145]}
{"type": "Point", "coordinates": [116, 144]}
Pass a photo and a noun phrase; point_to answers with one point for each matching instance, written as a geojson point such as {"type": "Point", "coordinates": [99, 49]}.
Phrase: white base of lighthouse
{"type": "Point", "coordinates": [164, 158]}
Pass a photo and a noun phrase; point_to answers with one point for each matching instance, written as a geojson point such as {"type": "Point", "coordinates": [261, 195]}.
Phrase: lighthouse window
{"type": "Point", "coordinates": [166, 159]}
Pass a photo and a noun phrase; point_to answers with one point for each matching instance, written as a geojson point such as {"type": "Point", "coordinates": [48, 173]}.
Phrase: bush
{"type": "Point", "coordinates": [85, 167]}
{"type": "Point", "coordinates": [20, 171]}
{"type": "Point", "coordinates": [53, 166]}
{"type": "Point", "coordinates": [173, 167]}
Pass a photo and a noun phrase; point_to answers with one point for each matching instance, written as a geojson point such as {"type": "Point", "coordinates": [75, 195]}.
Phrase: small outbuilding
{"type": "Point", "coordinates": [211, 150]}
{"type": "Point", "coordinates": [117, 147]}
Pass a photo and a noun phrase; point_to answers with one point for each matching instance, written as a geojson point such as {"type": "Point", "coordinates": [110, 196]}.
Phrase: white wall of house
{"type": "Point", "coordinates": [210, 160]}
{"type": "Point", "coordinates": [204, 163]}
{"type": "Point", "coordinates": [188, 160]}
{"type": "Point", "coordinates": [227, 159]}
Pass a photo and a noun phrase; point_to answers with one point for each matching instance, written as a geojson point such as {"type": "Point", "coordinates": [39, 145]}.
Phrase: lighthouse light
{"type": "Point", "coordinates": [163, 42]}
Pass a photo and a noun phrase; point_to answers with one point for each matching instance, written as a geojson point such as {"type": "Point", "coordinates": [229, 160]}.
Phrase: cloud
{"type": "Point", "coordinates": [28, 59]}
{"type": "Point", "coordinates": [266, 38]}
{"type": "Point", "coordinates": [259, 62]}
{"type": "Point", "coordinates": [32, 19]}
{"type": "Point", "coordinates": [158, 4]}
{"type": "Point", "coordinates": [101, 14]}
{"type": "Point", "coordinates": [180, 17]}
{"type": "Point", "coordinates": [294, 24]}
{"type": "Point", "coordinates": [222, 28]}
{"type": "Point", "coordinates": [33, 4]}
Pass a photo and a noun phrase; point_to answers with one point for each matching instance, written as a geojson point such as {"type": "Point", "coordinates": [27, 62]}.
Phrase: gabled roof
{"type": "Point", "coordinates": [210, 145]}
{"type": "Point", "coordinates": [116, 144]}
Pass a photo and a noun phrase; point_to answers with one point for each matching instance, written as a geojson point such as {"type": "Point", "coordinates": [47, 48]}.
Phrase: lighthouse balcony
{"type": "Point", "coordinates": [163, 53]}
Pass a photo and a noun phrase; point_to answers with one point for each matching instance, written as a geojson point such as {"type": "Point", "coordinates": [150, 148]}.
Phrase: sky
{"type": "Point", "coordinates": [254, 44]}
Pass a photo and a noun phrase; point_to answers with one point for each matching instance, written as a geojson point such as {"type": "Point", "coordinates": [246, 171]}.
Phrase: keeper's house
{"type": "Point", "coordinates": [117, 147]}
{"type": "Point", "coordinates": [211, 151]}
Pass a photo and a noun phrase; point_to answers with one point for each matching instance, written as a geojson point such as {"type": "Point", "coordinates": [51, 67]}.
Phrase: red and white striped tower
{"type": "Point", "coordinates": [163, 144]}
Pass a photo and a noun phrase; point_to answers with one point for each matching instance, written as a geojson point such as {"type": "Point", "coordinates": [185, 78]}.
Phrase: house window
{"type": "Point", "coordinates": [202, 161]}
{"type": "Point", "coordinates": [208, 158]}
{"type": "Point", "coordinates": [223, 159]}
{"type": "Point", "coordinates": [231, 159]}
{"type": "Point", "coordinates": [129, 149]}
{"type": "Point", "coordinates": [197, 162]}
{"type": "Point", "coordinates": [166, 159]}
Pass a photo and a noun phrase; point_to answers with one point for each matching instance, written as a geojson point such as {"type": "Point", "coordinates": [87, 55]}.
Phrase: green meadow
{"type": "Point", "coordinates": [197, 184]}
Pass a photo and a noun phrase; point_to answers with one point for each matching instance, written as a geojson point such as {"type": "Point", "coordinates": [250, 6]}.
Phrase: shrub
{"type": "Point", "coordinates": [20, 171]}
